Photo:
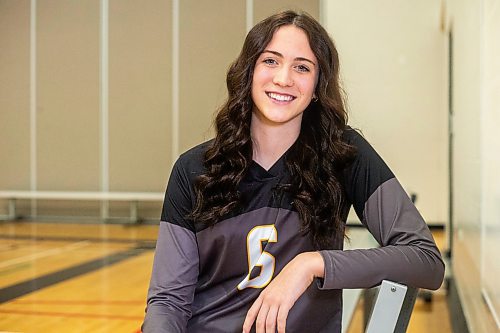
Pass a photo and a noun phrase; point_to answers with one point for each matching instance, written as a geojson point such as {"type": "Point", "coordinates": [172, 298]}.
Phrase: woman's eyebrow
{"type": "Point", "coordinates": [276, 53]}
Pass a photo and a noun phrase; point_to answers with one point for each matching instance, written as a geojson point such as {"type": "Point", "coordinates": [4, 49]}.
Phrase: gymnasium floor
{"type": "Point", "coordinates": [65, 277]}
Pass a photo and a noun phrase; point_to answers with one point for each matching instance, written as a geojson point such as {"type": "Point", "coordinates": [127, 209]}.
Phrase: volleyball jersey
{"type": "Point", "coordinates": [206, 279]}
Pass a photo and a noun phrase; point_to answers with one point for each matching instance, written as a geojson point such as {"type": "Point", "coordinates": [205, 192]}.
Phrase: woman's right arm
{"type": "Point", "coordinates": [175, 272]}
{"type": "Point", "coordinates": [176, 261]}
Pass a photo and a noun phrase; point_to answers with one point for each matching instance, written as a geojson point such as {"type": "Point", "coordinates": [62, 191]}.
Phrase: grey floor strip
{"type": "Point", "coordinates": [76, 239]}
{"type": "Point", "coordinates": [26, 287]}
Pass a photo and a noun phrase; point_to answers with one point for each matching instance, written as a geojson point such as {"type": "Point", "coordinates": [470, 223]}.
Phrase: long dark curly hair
{"type": "Point", "coordinates": [315, 161]}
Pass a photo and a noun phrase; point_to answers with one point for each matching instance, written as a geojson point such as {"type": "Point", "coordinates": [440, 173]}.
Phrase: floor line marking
{"type": "Point", "coordinates": [71, 314]}
{"type": "Point", "coordinates": [46, 253]}
{"type": "Point", "coordinates": [76, 302]}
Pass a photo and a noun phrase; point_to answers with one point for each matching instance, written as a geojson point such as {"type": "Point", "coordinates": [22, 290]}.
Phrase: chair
{"type": "Point", "coordinates": [388, 307]}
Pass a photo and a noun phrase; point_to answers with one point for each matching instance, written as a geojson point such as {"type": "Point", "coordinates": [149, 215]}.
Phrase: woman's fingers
{"type": "Point", "coordinates": [281, 319]}
{"type": "Point", "coordinates": [269, 313]}
{"type": "Point", "coordinates": [270, 323]}
{"type": "Point", "coordinates": [260, 322]}
{"type": "Point", "coordinates": [265, 316]}
{"type": "Point", "coordinates": [252, 314]}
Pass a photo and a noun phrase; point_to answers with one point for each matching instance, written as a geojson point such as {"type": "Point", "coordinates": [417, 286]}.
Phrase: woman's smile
{"type": "Point", "coordinates": [280, 98]}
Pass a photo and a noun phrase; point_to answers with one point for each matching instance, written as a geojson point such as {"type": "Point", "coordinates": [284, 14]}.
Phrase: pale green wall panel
{"type": "Point", "coordinates": [210, 39]}
{"type": "Point", "coordinates": [263, 8]}
{"type": "Point", "coordinates": [14, 95]}
{"type": "Point", "coordinates": [140, 94]}
{"type": "Point", "coordinates": [68, 95]}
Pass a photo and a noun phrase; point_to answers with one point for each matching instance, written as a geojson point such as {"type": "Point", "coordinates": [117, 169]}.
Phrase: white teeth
{"type": "Point", "coordinates": [281, 98]}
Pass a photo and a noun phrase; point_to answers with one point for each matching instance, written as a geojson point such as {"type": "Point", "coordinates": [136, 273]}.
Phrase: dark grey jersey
{"type": "Point", "coordinates": [206, 279]}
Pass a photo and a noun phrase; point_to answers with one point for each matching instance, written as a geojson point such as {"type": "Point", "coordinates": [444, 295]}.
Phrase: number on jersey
{"type": "Point", "coordinates": [258, 257]}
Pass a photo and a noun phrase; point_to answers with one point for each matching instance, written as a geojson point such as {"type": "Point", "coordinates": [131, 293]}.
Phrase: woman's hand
{"type": "Point", "coordinates": [270, 309]}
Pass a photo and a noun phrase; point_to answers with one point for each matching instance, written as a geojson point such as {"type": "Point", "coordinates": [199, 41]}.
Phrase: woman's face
{"type": "Point", "coordinates": [284, 78]}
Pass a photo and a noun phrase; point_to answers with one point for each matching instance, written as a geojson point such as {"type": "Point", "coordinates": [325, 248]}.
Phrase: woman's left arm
{"type": "Point", "coordinates": [407, 252]}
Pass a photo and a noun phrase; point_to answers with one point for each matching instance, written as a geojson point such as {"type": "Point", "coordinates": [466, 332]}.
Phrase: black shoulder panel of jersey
{"type": "Point", "coordinates": [180, 195]}
{"type": "Point", "coordinates": [365, 173]}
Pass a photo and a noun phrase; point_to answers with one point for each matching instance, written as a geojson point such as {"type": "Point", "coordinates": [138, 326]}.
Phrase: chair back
{"type": "Point", "coordinates": [392, 309]}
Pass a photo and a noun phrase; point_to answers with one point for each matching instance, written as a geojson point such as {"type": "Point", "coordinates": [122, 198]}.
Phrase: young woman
{"type": "Point", "coordinates": [253, 221]}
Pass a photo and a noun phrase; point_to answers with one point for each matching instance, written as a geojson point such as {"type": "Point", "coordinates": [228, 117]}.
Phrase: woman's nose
{"type": "Point", "coordinates": [283, 78]}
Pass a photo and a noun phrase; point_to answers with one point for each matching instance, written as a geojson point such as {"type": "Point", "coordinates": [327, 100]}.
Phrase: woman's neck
{"type": "Point", "coordinates": [271, 141]}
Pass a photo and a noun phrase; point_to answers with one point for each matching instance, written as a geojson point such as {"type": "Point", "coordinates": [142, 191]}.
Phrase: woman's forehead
{"type": "Point", "coordinates": [290, 40]}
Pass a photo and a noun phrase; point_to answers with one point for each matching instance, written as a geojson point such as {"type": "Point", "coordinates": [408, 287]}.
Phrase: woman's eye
{"type": "Point", "coordinates": [302, 68]}
{"type": "Point", "coordinates": [270, 61]}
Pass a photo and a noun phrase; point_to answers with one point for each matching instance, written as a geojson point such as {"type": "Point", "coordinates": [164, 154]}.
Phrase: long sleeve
{"type": "Point", "coordinates": [175, 272]}
{"type": "Point", "coordinates": [407, 252]}
{"type": "Point", "coordinates": [176, 262]}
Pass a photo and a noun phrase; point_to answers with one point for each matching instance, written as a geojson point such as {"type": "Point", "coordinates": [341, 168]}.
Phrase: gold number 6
{"type": "Point", "coordinates": [258, 257]}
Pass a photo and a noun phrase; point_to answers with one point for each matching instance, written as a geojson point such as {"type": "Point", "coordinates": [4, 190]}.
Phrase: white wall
{"type": "Point", "coordinates": [393, 63]}
{"type": "Point", "coordinates": [490, 155]}
{"type": "Point", "coordinates": [476, 224]}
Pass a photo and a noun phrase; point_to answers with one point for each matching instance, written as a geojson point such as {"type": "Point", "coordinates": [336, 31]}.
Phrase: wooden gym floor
{"type": "Point", "coordinates": [66, 277]}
